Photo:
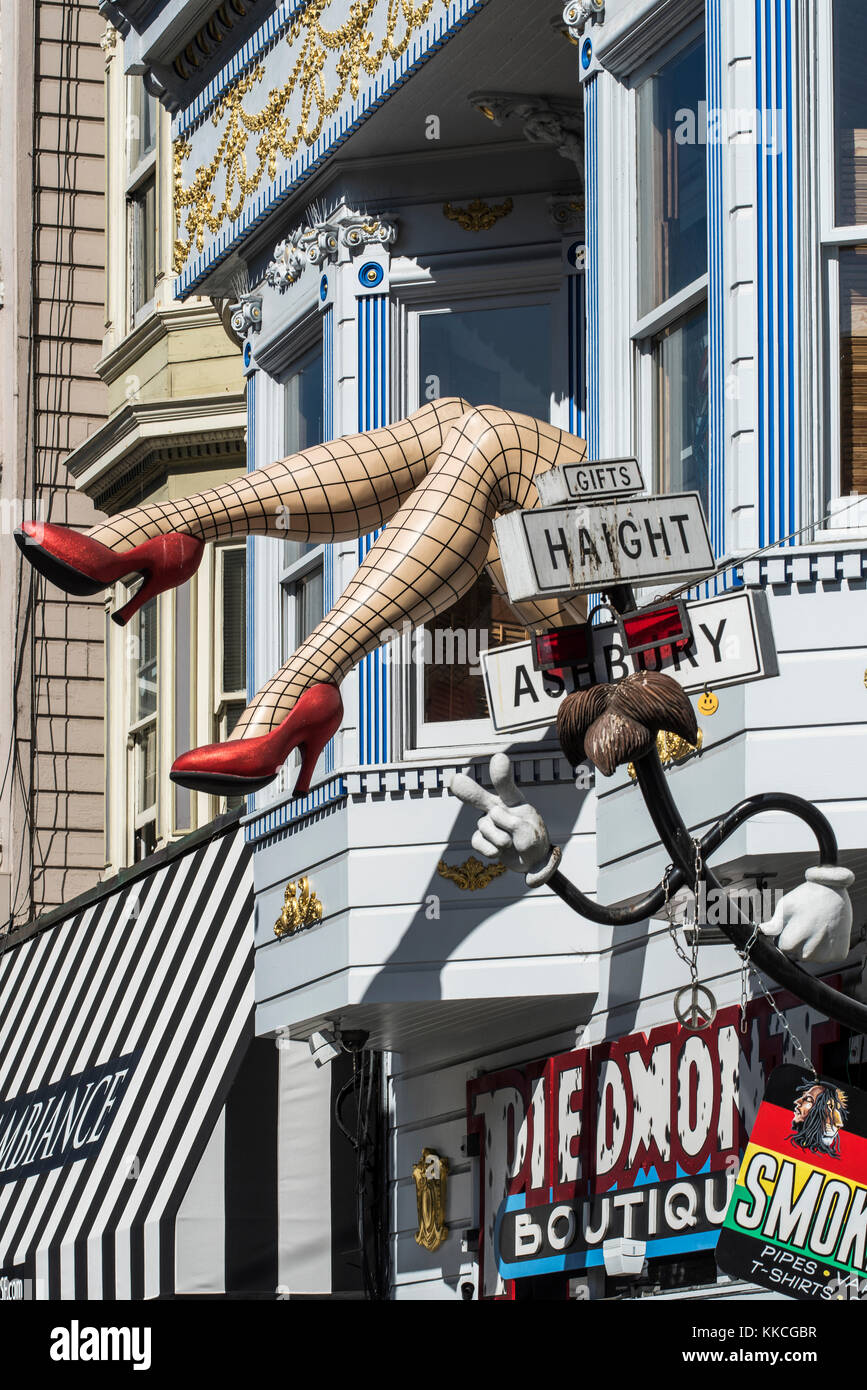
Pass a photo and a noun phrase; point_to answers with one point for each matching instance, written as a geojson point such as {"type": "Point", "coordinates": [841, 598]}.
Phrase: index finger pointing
{"type": "Point", "coordinates": [504, 782]}
{"type": "Point", "coordinates": [465, 789]}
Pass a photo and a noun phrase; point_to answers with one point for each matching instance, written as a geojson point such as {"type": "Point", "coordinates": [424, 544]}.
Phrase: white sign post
{"type": "Point", "coordinates": [731, 643]}
{"type": "Point", "coordinates": [582, 548]}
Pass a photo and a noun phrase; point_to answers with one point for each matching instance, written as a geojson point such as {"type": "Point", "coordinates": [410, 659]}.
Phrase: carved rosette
{"type": "Point", "coordinates": [320, 242]}
{"type": "Point", "coordinates": [246, 315]}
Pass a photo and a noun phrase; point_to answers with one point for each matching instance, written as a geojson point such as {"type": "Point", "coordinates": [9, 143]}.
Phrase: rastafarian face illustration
{"type": "Point", "coordinates": [818, 1113]}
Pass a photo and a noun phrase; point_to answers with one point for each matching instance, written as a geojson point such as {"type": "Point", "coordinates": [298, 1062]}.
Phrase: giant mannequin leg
{"type": "Point", "coordinates": [431, 553]}
{"type": "Point", "coordinates": [334, 491]}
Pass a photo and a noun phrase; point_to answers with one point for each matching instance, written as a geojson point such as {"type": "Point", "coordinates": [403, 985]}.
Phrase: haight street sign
{"type": "Point", "coordinates": [797, 1222]}
{"type": "Point", "coordinates": [589, 480]}
{"type": "Point", "coordinates": [639, 1137]}
{"type": "Point", "coordinates": [732, 643]}
{"type": "Point", "coordinates": [587, 546]}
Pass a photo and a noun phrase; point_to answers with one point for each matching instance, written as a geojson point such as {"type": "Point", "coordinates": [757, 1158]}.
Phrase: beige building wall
{"type": "Point", "coordinates": [52, 234]}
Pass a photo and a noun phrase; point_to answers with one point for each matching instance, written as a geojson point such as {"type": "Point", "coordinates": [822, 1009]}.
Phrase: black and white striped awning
{"type": "Point", "coordinates": [122, 1027]}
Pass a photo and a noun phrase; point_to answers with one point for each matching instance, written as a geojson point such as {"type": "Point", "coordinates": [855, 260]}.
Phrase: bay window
{"type": "Point", "coordinates": [671, 334]}
{"type": "Point", "coordinates": [845, 241]}
{"type": "Point", "coordinates": [491, 352]}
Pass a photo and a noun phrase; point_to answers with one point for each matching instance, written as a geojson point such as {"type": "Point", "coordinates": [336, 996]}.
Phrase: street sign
{"type": "Point", "coordinates": [576, 482]}
{"type": "Point", "coordinates": [588, 546]}
{"type": "Point", "coordinates": [731, 644]}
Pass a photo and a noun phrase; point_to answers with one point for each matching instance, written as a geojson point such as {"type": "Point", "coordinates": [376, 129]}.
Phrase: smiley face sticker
{"type": "Point", "coordinates": [707, 702]}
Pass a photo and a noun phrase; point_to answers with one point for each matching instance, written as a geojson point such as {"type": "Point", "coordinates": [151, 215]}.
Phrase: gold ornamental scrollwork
{"type": "Point", "coordinates": [477, 216]}
{"type": "Point", "coordinates": [671, 749]}
{"type": "Point", "coordinates": [272, 131]}
{"type": "Point", "coordinates": [430, 1175]}
{"type": "Point", "coordinates": [301, 908]}
{"type": "Point", "coordinates": [470, 875]}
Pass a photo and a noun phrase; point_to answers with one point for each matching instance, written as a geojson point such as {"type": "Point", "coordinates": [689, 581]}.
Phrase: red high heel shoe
{"type": "Point", "coordinates": [79, 565]}
{"type": "Point", "coordinates": [246, 764]}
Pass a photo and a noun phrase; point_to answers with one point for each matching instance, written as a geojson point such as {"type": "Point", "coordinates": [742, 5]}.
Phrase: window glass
{"type": "Point", "coordinates": [481, 619]}
{"type": "Point", "coordinates": [234, 618]}
{"type": "Point", "coordinates": [489, 356]}
{"type": "Point", "coordinates": [682, 406]}
{"type": "Point", "coordinates": [141, 123]}
{"type": "Point", "coordinates": [142, 214]}
{"type": "Point", "coordinates": [499, 356]}
{"type": "Point", "coordinates": [303, 423]}
{"type": "Point", "coordinates": [853, 370]}
{"type": "Point", "coordinates": [672, 178]}
{"type": "Point", "coordinates": [850, 112]}
{"type": "Point", "coordinates": [144, 684]}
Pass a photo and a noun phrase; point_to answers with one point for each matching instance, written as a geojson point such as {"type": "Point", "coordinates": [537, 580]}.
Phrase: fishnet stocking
{"type": "Point", "coordinates": [334, 491]}
{"type": "Point", "coordinates": [436, 544]}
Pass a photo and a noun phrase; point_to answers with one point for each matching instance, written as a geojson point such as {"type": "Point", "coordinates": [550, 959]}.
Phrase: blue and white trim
{"type": "Point", "coordinates": [328, 434]}
{"type": "Point", "coordinates": [777, 451]}
{"type": "Point", "coordinates": [373, 411]}
{"type": "Point", "coordinates": [392, 76]}
{"type": "Point", "coordinates": [591, 195]}
{"type": "Point", "coordinates": [251, 546]}
{"type": "Point", "coordinates": [295, 811]}
{"type": "Point", "coordinates": [716, 363]}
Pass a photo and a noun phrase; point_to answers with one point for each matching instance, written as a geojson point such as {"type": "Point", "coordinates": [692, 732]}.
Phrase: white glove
{"type": "Point", "coordinates": [510, 830]}
{"type": "Point", "coordinates": [814, 921]}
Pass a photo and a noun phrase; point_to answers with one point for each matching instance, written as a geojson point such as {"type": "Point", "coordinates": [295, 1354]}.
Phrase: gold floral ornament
{"type": "Point", "coordinates": [470, 875]}
{"type": "Point", "coordinates": [671, 749]}
{"type": "Point", "coordinates": [430, 1175]}
{"type": "Point", "coordinates": [477, 216]}
{"type": "Point", "coordinates": [305, 910]}
{"type": "Point", "coordinates": [327, 63]}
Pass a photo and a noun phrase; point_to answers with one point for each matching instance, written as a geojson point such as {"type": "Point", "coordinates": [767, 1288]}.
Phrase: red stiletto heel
{"type": "Point", "coordinates": [80, 565]}
{"type": "Point", "coordinates": [246, 764]}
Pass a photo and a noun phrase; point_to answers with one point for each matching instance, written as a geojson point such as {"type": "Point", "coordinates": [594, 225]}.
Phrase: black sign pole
{"type": "Point", "coordinates": [679, 844]}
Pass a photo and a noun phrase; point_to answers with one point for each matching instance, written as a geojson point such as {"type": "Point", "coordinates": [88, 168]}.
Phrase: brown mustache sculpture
{"type": "Point", "coordinates": [613, 724]}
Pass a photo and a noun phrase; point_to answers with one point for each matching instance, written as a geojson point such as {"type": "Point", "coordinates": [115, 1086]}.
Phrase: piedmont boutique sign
{"type": "Point", "coordinates": [61, 1123]}
{"type": "Point", "coordinates": [640, 1137]}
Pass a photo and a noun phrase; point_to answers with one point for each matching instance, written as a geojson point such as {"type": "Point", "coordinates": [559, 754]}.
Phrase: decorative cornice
{"type": "Point", "coordinates": [205, 42]}
{"type": "Point", "coordinates": [545, 122]}
{"type": "Point", "coordinates": [141, 431]}
{"type": "Point", "coordinates": [317, 242]}
{"type": "Point", "coordinates": [578, 12]}
{"type": "Point", "coordinates": [181, 318]}
{"type": "Point", "coordinates": [246, 315]}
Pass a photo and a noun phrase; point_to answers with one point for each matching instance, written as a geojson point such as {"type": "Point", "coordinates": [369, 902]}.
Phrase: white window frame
{"type": "Point", "coordinates": [136, 178]}
{"type": "Point", "coordinates": [223, 696]}
{"type": "Point", "coordinates": [833, 239]}
{"type": "Point", "coordinates": [669, 312]}
{"type": "Point", "coordinates": [136, 730]}
{"type": "Point", "coordinates": [497, 287]}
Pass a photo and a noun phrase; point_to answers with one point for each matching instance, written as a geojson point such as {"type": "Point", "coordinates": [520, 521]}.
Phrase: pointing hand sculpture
{"type": "Point", "coordinates": [509, 829]}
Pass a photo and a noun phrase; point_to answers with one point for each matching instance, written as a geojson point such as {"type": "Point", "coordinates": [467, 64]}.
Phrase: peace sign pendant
{"type": "Point", "coordinates": [694, 1008]}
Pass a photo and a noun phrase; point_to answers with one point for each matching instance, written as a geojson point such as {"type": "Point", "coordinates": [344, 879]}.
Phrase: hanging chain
{"type": "Point", "coordinates": [691, 964]}
{"type": "Point", "coordinates": [747, 967]}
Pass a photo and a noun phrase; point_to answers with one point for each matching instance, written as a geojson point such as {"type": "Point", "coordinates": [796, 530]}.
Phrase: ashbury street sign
{"type": "Point", "coordinates": [639, 1137]}
{"type": "Point", "coordinates": [732, 643]}
{"type": "Point", "coordinates": [588, 546]}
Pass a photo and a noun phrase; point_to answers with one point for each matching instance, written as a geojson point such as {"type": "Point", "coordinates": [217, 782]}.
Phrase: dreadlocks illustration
{"type": "Point", "coordinates": [820, 1111]}
{"type": "Point", "coordinates": [435, 481]}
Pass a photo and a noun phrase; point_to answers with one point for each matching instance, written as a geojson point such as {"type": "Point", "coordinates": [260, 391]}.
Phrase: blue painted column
{"type": "Point", "coordinates": [777, 454]}
{"type": "Point", "coordinates": [373, 411]}
{"type": "Point", "coordinates": [716, 228]}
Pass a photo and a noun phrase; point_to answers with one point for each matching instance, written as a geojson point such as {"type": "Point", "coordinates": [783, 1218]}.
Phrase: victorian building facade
{"type": "Point", "coordinates": [642, 221]}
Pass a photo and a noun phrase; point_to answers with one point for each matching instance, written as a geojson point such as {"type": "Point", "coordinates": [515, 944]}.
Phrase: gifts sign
{"type": "Point", "coordinates": [797, 1220]}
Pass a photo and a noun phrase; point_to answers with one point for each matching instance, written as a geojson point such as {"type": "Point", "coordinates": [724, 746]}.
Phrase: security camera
{"type": "Point", "coordinates": [324, 1047]}
{"type": "Point", "coordinates": [623, 1258]}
